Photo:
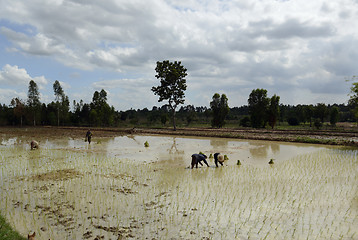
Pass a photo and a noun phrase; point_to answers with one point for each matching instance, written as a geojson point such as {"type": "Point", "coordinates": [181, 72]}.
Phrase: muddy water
{"type": "Point", "coordinates": [117, 188]}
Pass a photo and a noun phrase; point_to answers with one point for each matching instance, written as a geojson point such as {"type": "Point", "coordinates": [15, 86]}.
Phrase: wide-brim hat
{"type": "Point", "coordinates": [221, 158]}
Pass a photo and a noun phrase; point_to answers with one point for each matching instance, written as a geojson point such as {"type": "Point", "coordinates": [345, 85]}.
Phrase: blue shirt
{"type": "Point", "coordinates": [199, 157]}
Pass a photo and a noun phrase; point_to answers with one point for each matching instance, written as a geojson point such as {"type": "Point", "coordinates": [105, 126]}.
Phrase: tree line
{"type": "Point", "coordinates": [260, 112]}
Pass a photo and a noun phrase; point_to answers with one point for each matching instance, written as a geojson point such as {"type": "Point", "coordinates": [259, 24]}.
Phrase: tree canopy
{"type": "Point", "coordinates": [220, 109]}
{"type": "Point", "coordinates": [99, 113]}
{"type": "Point", "coordinates": [353, 100]}
{"type": "Point", "coordinates": [19, 108]}
{"type": "Point", "coordinates": [258, 105]}
{"type": "Point", "coordinates": [33, 99]}
{"type": "Point", "coordinates": [172, 84]}
{"type": "Point", "coordinates": [274, 110]}
{"type": "Point", "coordinates": [62, 101]}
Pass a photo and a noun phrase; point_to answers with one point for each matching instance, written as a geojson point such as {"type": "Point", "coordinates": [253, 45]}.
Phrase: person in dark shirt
{"type": "Point", "coordinates": [197, 158]}
{"type": "Point", "coordinates": [88, 136]}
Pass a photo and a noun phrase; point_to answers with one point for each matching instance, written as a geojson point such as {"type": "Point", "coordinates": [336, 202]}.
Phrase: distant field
{"type": "Point", "coordinates": [344, 134]}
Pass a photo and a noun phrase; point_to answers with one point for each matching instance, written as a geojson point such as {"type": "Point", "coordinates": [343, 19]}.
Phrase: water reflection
{"type": "Point", "coordinates": [258, 150]}
{"type": "Point", "coordinates": [133, 138]}
{"type": "Point", "coordinates": [219, 143]}
{"type": "Point", "coordinates": [275, 148]}
{"type": "Point", "coordinates": [107, 192]}
{"type": "Point", "coordinates": [174, 148]}
{"type": "Point", "coordinates": [177, 150]}
{"type": "Point", "coordinates": [9, 141]}
{"type": "Point", "coordinates": [263, 151]}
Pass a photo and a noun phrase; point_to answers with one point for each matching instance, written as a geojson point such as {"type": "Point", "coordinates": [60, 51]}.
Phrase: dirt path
{"type": "Point", "coordinates": [342, 137]}
{"type": "Point", "coordinates": [320, 137]}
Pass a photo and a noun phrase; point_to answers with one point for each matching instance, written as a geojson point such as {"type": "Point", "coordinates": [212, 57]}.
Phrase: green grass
{"type": "Point", "coordinates": [316, 141]}
{"type": "Point", "coordinates": [7, 233]}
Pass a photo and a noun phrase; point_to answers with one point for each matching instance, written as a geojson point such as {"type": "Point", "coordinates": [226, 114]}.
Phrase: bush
{"type": "Point", "coordinates": [317, 123]}
{"type": "Point", "coordinates": [245, 122]}
{"type": "Point", "coordinates": [292, 121]}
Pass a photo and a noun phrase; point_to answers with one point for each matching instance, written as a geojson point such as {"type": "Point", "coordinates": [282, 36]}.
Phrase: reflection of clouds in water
{"type": "Point", "coordinates": [144, 190]}
{"type": "Point", "coordinates": [9, 141]}
{"type": "Point", "coordinates": [5, 141]}
{"type": "Point", "coordinates": [179, 149]}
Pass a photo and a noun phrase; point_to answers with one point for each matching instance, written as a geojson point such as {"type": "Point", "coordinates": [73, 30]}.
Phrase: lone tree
{"type": "Point", "coordinates": [172, 84]}
{"type": "Point", "coordinates": [33, 99]}
{"type": "Point", "coordinates": [220, 109]}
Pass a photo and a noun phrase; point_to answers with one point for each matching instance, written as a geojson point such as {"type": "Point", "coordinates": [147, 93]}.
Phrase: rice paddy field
{"type": "Point", "coordinates": [116, 188]}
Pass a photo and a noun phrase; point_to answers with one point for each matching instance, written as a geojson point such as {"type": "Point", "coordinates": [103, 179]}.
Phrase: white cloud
{"type": "Point", "coordinates": [34, 45]}
{"type": "Point", "coordinates": [15, 76]}
{"type": "Point", "coordinates": [14, 82]}
{"type": "Point", "coordinates": [128, 92]}
{"type": "Point", "coordinates": [234, 46]}
{"type": "Point", "coordinates": [6, 95]}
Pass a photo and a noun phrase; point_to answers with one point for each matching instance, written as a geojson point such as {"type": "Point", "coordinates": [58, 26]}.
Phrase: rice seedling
{"type": "Point", "coordinates": [304, 196]}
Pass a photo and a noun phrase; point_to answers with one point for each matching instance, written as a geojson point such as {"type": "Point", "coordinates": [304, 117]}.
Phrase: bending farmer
{"type": "Point", "coordinates": [197, 158]}
{"type": "Point", "coordinates": [218, 159]}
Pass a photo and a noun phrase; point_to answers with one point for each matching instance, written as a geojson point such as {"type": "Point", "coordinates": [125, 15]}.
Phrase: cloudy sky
{"type": "Point", "coordinates": [300, 50]}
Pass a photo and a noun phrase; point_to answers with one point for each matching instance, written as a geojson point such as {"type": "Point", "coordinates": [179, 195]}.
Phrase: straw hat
{"type": "Point", "coordinates": [220, 158]}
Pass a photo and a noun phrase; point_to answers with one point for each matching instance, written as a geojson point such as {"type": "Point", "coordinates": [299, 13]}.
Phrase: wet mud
{"type": "Point", "coordinates": [116, 188]}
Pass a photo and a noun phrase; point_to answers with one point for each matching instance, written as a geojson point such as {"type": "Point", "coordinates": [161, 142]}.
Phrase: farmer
{"type": "Point", "coordinates": [197, 158]}
{"type": "Point", "coordinates": [88, 136]}
{"type": "Point", "coordinates": [34, 144]}
{"type": "Point", "coordinates": [218, 159]}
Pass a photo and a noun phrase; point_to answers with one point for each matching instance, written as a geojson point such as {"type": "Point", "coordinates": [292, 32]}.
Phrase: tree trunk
{"type": "Point", "coordinates": [175, 128]}
{"type": "Point", "coordinates": [58, 116]}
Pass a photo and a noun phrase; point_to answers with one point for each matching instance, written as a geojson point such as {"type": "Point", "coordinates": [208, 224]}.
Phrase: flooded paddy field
{"type": "Point", "coordinates": [116, 188]}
